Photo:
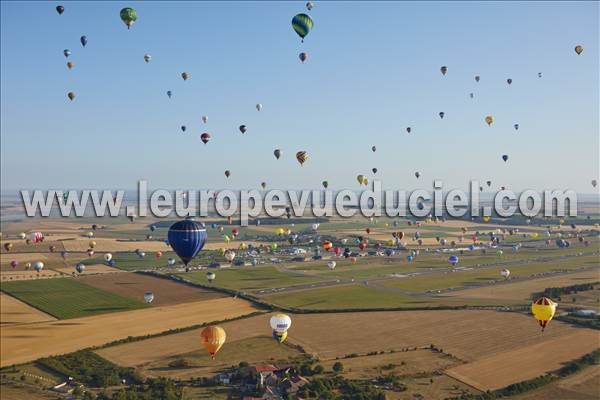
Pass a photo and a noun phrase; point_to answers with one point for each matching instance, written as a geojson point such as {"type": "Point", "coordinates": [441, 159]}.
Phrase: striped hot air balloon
{"type": "Point", "coordinates": [543, 310]}
{"type": "Point", "coordinates": [302, 24]}
{"type": "Point", "coordinates": [302, 156]}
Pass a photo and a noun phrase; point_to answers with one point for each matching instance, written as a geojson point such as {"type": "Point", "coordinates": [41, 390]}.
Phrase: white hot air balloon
{"type": "Point", "coordinates": [107, 257]}
{"type": "Point", "coordinates": [171, 261]}
{"type": "Point", "coordinates": [331, 264]}
{"type": "Point", "coordinates": [280, 323]}
{"type": "Point", "coordinates": [22, 235]}
{"type": "Point", "coordinates": [505, 273]}
{"type": "Point", "coordinates": [210, 276]}
{"type": "Point", "coordinates": [258, 107]}
{"type": "Point", "coordinates": [148, 297]}
{"type": "Point", "coordinates": [38, 266]}
{"type": "Point", "coordinates": [204, 119]}
{"type": "Point", "coordinates": [229, 255]}
{"type": "Point", "coordinates": [315, 226]}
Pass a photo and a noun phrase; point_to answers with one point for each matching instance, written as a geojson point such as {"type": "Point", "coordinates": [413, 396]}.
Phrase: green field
{"type": "Point", "coordinates": [340, 297]}
{"type": "Point", "coordinates": [249, 278]}
{"type": "Point", "coordinates": [65, 298]}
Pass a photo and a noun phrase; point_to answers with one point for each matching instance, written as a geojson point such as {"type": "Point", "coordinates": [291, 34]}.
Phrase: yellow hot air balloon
{"type": "Point", "coordinates": [280, 337]}
{"type": "Point", "coordinates": [221, 251]}
{"type": "Point", "coordinates": [489, 120]}
{"type": "Point", "coordinates": [213, 337]}
{"type": "Point", "coordinates": [243, 246]}
{"type": "Point", "coordinates": [280, 232]}
{"type": "Point", "coordinates": [579, 49]}
{"type": "Point", "coordinates": [543, 310]}
{"type": "Point", "coordinates": [273, 246]}
{"type": "Point", "coordinates": [534, 235]}
{"type": "Point", "coordinates": [486, 219]}
{"type": "Point", "coordinates": [92, 244]}
{"type": "Point", "coordinates": [226, 238]}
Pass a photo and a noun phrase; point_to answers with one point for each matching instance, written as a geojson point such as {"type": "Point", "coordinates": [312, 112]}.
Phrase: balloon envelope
{"type": "Point", "coordinates": [213, 337]}
{"type": "Point", "coordinates": [187, 238]}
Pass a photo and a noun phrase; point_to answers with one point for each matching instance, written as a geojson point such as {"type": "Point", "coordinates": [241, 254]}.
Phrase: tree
{"type": "Point", "coordinates": [338, 367]}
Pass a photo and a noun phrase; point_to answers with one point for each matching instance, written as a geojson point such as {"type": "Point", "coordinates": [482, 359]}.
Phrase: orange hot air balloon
{"type": "Point", "coordinates": [213, 337]}
{"type": "Point", "coordinates": [158, 254]}
{"type": "Point", "coordinates": [368, 230]}
{"type": "Point", "coordinates": [327, 245]}
{"type": "Point", "coordinates": [70, 65]}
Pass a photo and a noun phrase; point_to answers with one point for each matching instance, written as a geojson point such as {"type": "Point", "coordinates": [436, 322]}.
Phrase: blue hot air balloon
{"type": "Point", "coordinates": [83, 40]}
{"type": "Point", "coordinates": [169, 93]}
{"type": "Point", "coordinates": [187, 238]}
{"type": "Point", "coordinates": [410, 258]}
{"type": "Point", "coordinates": [453, 260]}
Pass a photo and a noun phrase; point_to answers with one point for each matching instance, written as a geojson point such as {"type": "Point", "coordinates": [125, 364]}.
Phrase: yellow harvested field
{"type": "Point", "coordinates": [522, 290]}
{"type": "Point", "coordinates": [114, 245]}
{"type": "Point", "coordinates": [6, 258]}
{"type": "Point", "coordinates": [13, 312]}
{"type": "Point", "coordinates": [27, 342]}
{"type": "Point", "coordinates": [91, 270]}
{"type": "Point", "coordinates": [28, 274]}
{"type": "Point", "coordinates": [502, 369]}
{"type": "Point", "coordinates": [467, 335]}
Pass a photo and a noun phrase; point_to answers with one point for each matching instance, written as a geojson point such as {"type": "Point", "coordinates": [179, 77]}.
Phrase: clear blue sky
{"type": "Point", "coordinates": [373, 70]}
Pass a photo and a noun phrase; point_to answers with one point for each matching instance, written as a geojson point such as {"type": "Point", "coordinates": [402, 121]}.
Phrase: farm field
{"type": "Point", "coordinates": [400, 363]}
{"type": "Point", "coordinates": [13, 312]}
{"type": "Point", "coordinates": [499, 370]}
{"type": "Point", "coordinates": [27, 342]}
{"type": "Point", "coordinates": [468, 336]}
{"type": "Point", "coordinates": [65, 298]}
{"type": "Point", "coordinates": [133, 286]}
{"type": "Point", "coordinates": [250, 278]}
{"type": "Point", "coordinates": [522, 290]}
{"type": "Point", "coordinates": [583, 385]}
{"type": "Point", "coordinates": [259, 349]}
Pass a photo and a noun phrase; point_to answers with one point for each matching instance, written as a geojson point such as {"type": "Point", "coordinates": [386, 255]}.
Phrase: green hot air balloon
{"type": "Point", "coordinates": [302, 24]}
{"type": "Point", "coordinates": [128, 16]}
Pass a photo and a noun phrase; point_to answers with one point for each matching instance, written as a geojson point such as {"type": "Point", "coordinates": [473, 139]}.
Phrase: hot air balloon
{"type": "Point", "coordinates": [471, 95]}
{"type": "Point", "coordinates": [38, 266]}
{"type": "Point", "coordinates": [315, 226]}
{"type": "Point", "coordinates": [453, 260]}
{"type": "Point", "coordinates": [309, 5]}
{"type": "Point", "coordinates": [477, 78]}
{"type": "Point", "coordinates": [187, 238]}
{"type": "Point", "coordinates": [52, 249]}
{"type": "Point", "coordinates": [594, 182]}
{"type": "Point", "coordinates": [70, 64]}
{"type": "Point", "coordinates": [579, 49]}
{"type": "Point", "coordinates": [227, 173]}
{"type": "Point", "coordinates": [205, 137]}
{"type": "Point", "coordinates": [169, 93]}
{"type": "Point", "coordinates": [516, 126]}
{"type": "Point", "coordinates": [147, 58]}
{"type": "Point", "coordinates": [302, 24]}
{"type": "Point", "coordinates": [36, 237]}
{"type": "Point", "coordinates": [410, 258]}
{"type": "Point", "coordinates": [505, 157]}
{"type": "Point", "coordinates": [325, 184]}
{"type": "Point", "coordinates": [243, 128]}
{"type": "Point", "coordinates": [14, 264]}
{"type": "Point", "coordinates": [505, 273]}
{"type": "Point", "coordinates": [22, 235]}
{"type": "Point", "coordinates": [71, 96]}
{"type": "Point", "coordinates": [148, 297]}
{"type": "Point", "coordinates": [280, 323]}
{"type": "Point", "coordinates": [417, 174]}
{"type": "Point", "coordinates": [408, 129]}
{"type": "Point", "coordinates": [213, 337]}
{"type": "Point", "coordinates": [229, 255]}
{"type": "Point", "coordinates": [277, 153]}
{"type": "Point", "coordinates": [108, 257]}
{"type": "Point", "coordinates": [327, 245]}
{"type": "Point", "coordinates": [539, 74]}
{"type": "Point", "coordinates": [362, 180]}
{"type": "Point", "coordinates": [158, 254]}
{"type": "Point", "coordinates": [210, 276]}
{"type": "Point", "coordinates": [543, 310]}
{"type": "Point", "coordinates": [263, 184]}
{"type": "Point", "coordinates": [60, 10]}
{"type": "Point", "coordinates": [92, 243]}
{"type": "Point", "coordinates": [258, 107]}
{"type": "Point", "coordinates": [80, 267]}
{"type": "Point", "coordinates": [489, 183]}
{"type": "Point", "coordinates": [128, 16]}
{"type": "Point", "coordinates": [302, 156]}
{"type": "Point", "coordinates": [83, 40]}
{"type": "Point", "coordinates": [441, 114]}
{"type": "Point", "coordinates": [303, 56]}
{"type": "Point", "coordinates": [183, 128]}
{"type": "Point", "coordinates": [443, 69]}
{"type": "Point", "coordinates": [509, 81]}
{"type": "Point", "coordinates": [489, 120]}
{"type": "Point", "coordinates": [204, 119]}
{"type": "Point", "coordinates": [374, 170]}
{"type": "Point", "coordinates": [171, 261]}
{"type": "Point", "coordinates": [185, 76]}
